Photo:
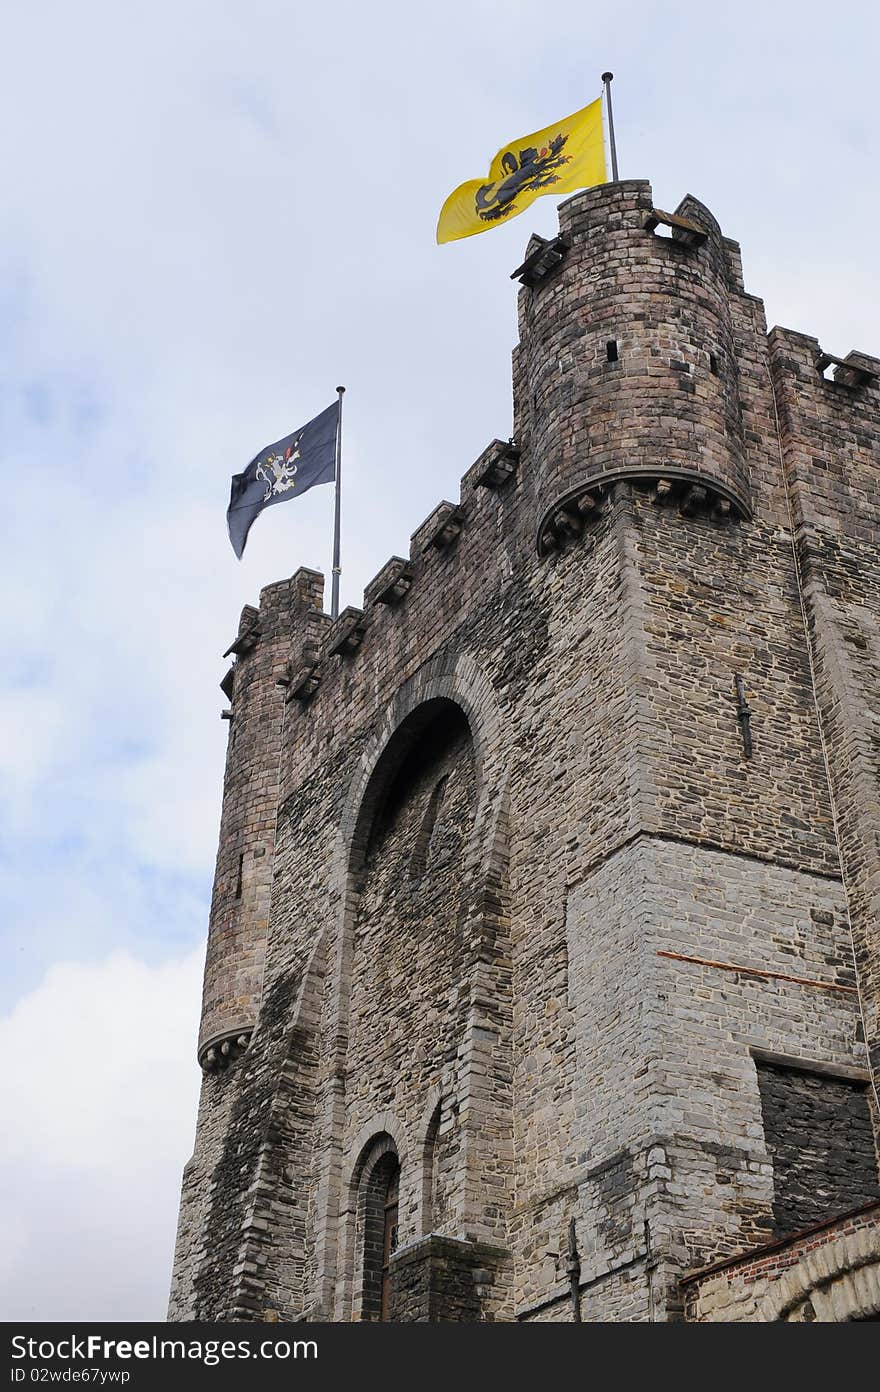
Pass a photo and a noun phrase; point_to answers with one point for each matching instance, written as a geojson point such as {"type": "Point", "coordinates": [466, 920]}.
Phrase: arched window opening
{"type": "Point", "coordinates": [380, 1235]}
{"type": "Point", "coordinates": [428, 741]}
{"type": "Point", "coordinates": [389, 1240]}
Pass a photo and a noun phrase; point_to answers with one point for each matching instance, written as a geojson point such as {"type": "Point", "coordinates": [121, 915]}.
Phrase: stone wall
{"type": "Point", "coordinates": [829, 432]}
{"type": "Point", "coordinates": [407, 957]}
{"type": "Point", "coordinates": [820, 1140]}
{"type": "Point", "coordinates": [242, 880]}
{"type": "Point", "coordinates": [442, 1279]}
{"type": "Point", "coordinates": [686, 966]}
{"type": "Point", "coordinates": [532, 906]}
{"type": "Point", "coordinates": [829, 1273]}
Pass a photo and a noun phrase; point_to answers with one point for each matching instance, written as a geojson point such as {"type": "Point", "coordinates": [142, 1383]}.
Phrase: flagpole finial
{"type": "Point", "coordinates": [340, 391]}
{"type": "Point", "coordinates": [606, 78]}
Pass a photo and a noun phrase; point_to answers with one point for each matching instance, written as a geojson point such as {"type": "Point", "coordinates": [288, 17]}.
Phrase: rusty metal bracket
{"type": "Point", "coordinates": [743, 715]}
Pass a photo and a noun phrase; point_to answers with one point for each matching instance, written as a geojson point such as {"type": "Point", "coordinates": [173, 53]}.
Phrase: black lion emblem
{"type": "Point", "coordinates": [533, 170]}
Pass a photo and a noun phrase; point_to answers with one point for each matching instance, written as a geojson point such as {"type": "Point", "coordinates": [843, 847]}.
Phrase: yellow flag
{"type": "Point", "coordinates": [561, 158]}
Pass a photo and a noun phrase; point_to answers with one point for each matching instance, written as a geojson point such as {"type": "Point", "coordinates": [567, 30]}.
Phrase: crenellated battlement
{"type": "Point", "coordinates": [544, 931]}
{"type": "Point", "coordinates": [656, 407]}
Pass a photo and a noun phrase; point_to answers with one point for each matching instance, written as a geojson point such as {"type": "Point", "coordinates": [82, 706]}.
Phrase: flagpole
{"type": "Point", "coordinates": [606, 78]}
{"type": "Point", "coordinates": [337, 569]}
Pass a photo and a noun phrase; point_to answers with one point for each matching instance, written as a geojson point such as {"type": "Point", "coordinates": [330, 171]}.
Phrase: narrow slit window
{"type": "Point", "coordinates": [611, 349]}
{"type": "Point", "coordinates": [238, 877]}
{"type": "Point", "coordinates": [714, 367]}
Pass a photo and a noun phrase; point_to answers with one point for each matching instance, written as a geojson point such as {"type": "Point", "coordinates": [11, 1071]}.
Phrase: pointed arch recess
{"type": "Point", "coordinates": [442, 682]}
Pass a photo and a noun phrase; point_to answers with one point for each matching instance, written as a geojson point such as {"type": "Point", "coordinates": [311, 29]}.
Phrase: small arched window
{"type": "Point", "coordinates": [379, 1208]}
{"type": "Point", "coordinates": [389, 1239]}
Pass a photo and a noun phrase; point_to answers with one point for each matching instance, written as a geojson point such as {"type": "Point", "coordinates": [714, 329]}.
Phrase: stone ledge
{"type": "Point", "coordinates": [856, 370]}
{"type": "Point", "coordinates": [440, 1243]}
{"type": "Point", "coordinates": [440, 530]}
{"type": "Point", "coordinates": [391, 584]}
{"type": "Point", "coordinates": [543, 256]}
{"type": "Point", "coordinates": [494, 467]}
{"type": "Point", "coordinates": [347, 633]}
{"type": "Point", "coordinates": [245, 642]}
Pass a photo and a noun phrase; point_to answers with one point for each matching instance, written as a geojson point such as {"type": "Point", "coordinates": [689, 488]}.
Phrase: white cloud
{"type": "Point", "coordinates": [98, 1101]}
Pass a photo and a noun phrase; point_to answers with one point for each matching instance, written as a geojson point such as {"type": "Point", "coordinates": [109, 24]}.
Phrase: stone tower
{"type": "Point", "coordinates": [543, 976]}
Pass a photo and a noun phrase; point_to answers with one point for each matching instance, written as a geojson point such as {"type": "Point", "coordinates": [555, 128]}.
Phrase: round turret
{"type": "Point", "coordinates": [626, 366]}
{"type": "Point", "coordinates": [255, 686]}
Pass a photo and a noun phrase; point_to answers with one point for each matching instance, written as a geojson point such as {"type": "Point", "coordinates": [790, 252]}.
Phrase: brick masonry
{"type": "Point", "coordinates": [829, 1273]}
{"type": "Point", "coordinates": [500, 890]}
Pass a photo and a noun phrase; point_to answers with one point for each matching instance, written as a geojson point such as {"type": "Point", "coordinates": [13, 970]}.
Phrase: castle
{"type": "Point", "coordinates": [543, 976]}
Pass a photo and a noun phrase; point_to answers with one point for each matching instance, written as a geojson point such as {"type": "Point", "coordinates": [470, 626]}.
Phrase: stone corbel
{"type": "Point", "coordinates": [566, 524]}
{"type": "Point", "coordinates": [543, 257]}
{"type": "Point", "coordinates": [218, 1054]}
{"type": "Point", "coordinates": [303, 684]}
{"type": "Point", "coordinates": [495, 465]}
{"type": "Point", "coordinates": [347, 633]}
{"type": "Point", "coordinates": [848, 372]}
{"type": "Point", "coordinates": [695, 499]}
{"type": "Point", "coordinates": [441, 529]}
{"type": "Point", "coordinates": [683, 230]}
{"type": "Point", "coordinates": [244, 643]}
{"type": "Point", "coordinates": [391, 584]}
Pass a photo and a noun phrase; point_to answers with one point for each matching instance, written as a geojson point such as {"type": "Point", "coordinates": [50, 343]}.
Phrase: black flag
{"type": "Point", "coordinates": [284, 470]}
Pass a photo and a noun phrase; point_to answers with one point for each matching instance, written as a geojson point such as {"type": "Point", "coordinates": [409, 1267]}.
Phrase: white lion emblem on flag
{"type": "Point", "coordinates": [279, 471]}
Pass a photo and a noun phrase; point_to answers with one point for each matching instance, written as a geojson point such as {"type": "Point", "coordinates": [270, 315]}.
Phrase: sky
{"type": "Point", "coordinates": [212, 214]}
